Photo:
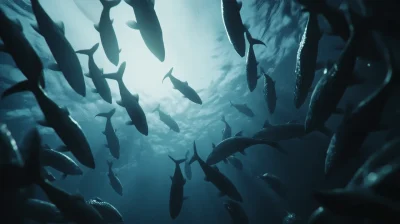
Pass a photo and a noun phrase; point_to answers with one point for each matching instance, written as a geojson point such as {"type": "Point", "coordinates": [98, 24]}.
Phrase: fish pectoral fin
{"type": "Point", "coordinates": [170, 177]}
{"type": "Point", "coordinates": [95, 91]}
{"type": "Point", "coordinates": [136, 96]}
{"type": "Point", "coordinates": [132, 24]}
{"type": "Point", "coordinates": [96, 27]}
{"type": "Point", "coordinates": [129, 123]}
{"type": "Point", "coordinates": [65, 110]}
{"type": "Point", "coordinates": [103, 132]}
{"type": "Point", "coordinates": [239, 4]}
{"type": "Point", "coordinates": [54, 67]}
{"type": "Point", "coordinates": [61, 27]}
{"type": "Point", "coordinates": [186, 83]}
{"type": "Point", "coordinates": [35, 27]}
{"type": "Point", "coordinates": [115, 130]}
{"type": "Point", "coordinates": [64, 176]}
{"type": "Point", "coordinates": [119, 102]}
{"type": "Point", "coordinates": [43, 123]}
{"type": "Point", "coordinates": [112, 21]}
{"type": "Point", "coordinates": [87, 75]}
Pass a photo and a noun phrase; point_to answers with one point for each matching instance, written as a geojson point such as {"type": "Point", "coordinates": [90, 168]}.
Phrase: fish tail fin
{"type": "Point", "coordinates": [177, 162]}
{"type": "Point", "coordinates": [254, 41]}
{"type": "Point", "coordinates": [168, 74]}
{"type": "Point", "coordinates": [157, 108]}
{"type": "Point", "coordinates": [32, 165]}
{"type": "Point", "coordinates": [107, 115]}
{"type": "Point", "coordinates": [110, 164]}
{"type": "Point", "coordinates": [109, 4]}
{"type": "Point", "coordinates": [117, 75]}
{"type": "Point", "coordinates": [19, 87]}
{"type": "Point", "coordinates": [187, 154]}
{"type": "Point", "coordinates": [89, 52]}
{"type": "Point", "coordinates": [195, 156]}
{"type": "Point", "coordinates": [326, 131]}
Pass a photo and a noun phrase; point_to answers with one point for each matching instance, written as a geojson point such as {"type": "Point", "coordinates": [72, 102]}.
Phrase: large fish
{"type": "Point", "coordinates": [236, 144]}
{"type": "Point", "coordinates": [176, 197]}
{"type": "Point", "coordinates": [16, 44]}
{"type": "Point", "coordinates": [275, 183]}
{"type": "Point", "coordinates": [188, 169]}
{"type": "Point", "coordinates": [114, 180]}
{"type": "Point", "coordinates": [109, 213]}
{"type": "Point", "coordinates": [167, 119]}
{"type": "Point", "coordinates": [236, 212]}
{"type": "Point", "coordinates": [41, 211]}
{"type": "Point", "coordinates": [96, 74]}
{"type": "Point", "coordinates": [64, 54]}
{"type": "Point", "coordinates": [242, 108]}
{"type": "Point", "coordinates": [9, 152]}
{"type": "Point", "coordinates": [107, 33]}
{"type": "Point", "coordinates": [148, 25]}
{"type": "Point", "coordinates": [227, 131]}
{"type": "Point", "coordinates": [269, 92]}
{"type": "Point", "coordinates": [306, 59]}
{"type": "Point", "coordinates": [130, 102]}
{"type": "Point", "coordinates": [251, 63]}
{"type": "Point", "coordinates": [58, 161]}
{"type": "Point", "coordinates": [357, 124]}
{"type": "Point", "coordinates": [111, 136]}
{"type": "Point", "coordinates": [183, 87]}
{"type": "Point", "coordinates": [224, 185]}
{"type": "Point", "coordinates": [286, 131]}
{"type": "Point", "coordinates": [234, 25]}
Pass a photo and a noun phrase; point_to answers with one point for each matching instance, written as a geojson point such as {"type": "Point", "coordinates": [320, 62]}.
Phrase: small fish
{"type": "Point", "coordinates": [184, 88]}
{"type": "Point", "coordinates": [111, 136]}
{"type": "Point", "coordinates": [176, 197]}
{"type": "Point", "coordinates": [251, 62]}
{"type": "Point", "coordinates": [235, 162]}
{"type": "Point", "coordinates": [236, 212]}
{"type": "Point", "coordinates": [188, 169]}
{"type": "Point", "coordinates": [130, 102]}
{"type": "Point", "coordinates": [234, 25]}
{"type": "Point", "coordinates": [114, 180]}
{"type": "Point", "coordinates": [107, 33]}
{"type": "Point", "coordinates": [275, 183]}
{"type": "Point", "coordinates": [227, 131]}
{"type": "Point", "coordinates": [9, 152]}
{"type": "Point", "coordinates": [224, 185]}
{"type": "Point", "coordinates": [54, 34]}
{"type": "Point", "coordinates": [109, 213]}
{"type": "Point", "coordinates": [41, 211]}
{"type": "Point", "coordinates": [167, 119]}
{"type": "Point", "coordinates": [269, 92]}
{"type": "Point", "coordinates": [243, 108]}
{"type": "Point", "coordinates": [148, 25]}
{"type": "Point", "coordinates": [236, 144]}
{"type": "Point", "coordinates": [96, 74]}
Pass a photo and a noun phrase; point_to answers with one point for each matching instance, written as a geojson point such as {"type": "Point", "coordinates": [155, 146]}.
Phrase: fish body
{"type": "Point", "coordinates": [227, 131]}
{"type": "Point", "coordinates": [61, 49]}
{"type": "Point", "coordinates": [184, 88]}
{"type": "Point", "coordinates": [269, 93]}
{"type": "Point", "coordinates": [176, 194]}
{"type": "Point", "coordinates": [235, 162]}
{"type": "Point", "coordinates": [188, 168]}
{"type": "Point", "coordinates": [41, 211]}
{"type": "Point", "coordinates": [111, 136]}
{"type": "Point", "coordinates": [284, 132]}
{"type": "Point", "coordinates": [167, 119]}
{"type": "Point", "coordinates": [251, 63]}
{"type": "Point", "coordinates": [96, 74]}
{"type": "Point", "coordinates": [109, 213]}
{"type": "Point", "coordinates": [59, 161]}
{"type": "Point", "coordinates": [114, 180]}
{"type": "Point", "coordinates": [234, 25]}
{"type": "Point", "coordinates": [275, 183]}
{"type": "Point", "coordinates": [236, 212]}
{"type": "Point", "coordinates": [243, 108]}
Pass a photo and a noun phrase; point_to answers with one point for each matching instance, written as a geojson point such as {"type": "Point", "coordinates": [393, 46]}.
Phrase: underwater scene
{"type": "Point", "coordinates": [199, 111]}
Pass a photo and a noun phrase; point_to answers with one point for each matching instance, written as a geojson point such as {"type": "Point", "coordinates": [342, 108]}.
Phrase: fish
{"type": "Point", "coordinates": [176, 197]}
{"type": "Point", "coordinates": [67, 61]}
{"type": "Point", "coordinates": [220, 181]}
{"type": "Point", "coordinates": [167, 119]}
{"type": "Point", "coordinates": [60, 120]}
{"type": "Point", "coordinates": [96, 74]}
{"type": "Point", "coordinates": [251, 62]}
{"type": "Point", "coordinates": [237, 213]}
{"type": "Point", "coordinates": [188, 169]}
{"type": "Point", "coordinates": [275, 183]}
{"type": "Point", "coordinates": [331, 87]}
{"type": "Point", "coordinates": [109, 213]}
{"type": "Point", "coordinates": [107, 33]}
{"type": "Point", "coordinates": [58, 161]}
{"type": "Point", "coordinates": [243, 108]}
{"type": "Point", "coordinates": [306, 60]}
{"type": "Point", "coordinates": [48, 175]}
{"type": "Point", "coordinates": [235, 162]}
{"type": "Point", "coordinates": [183, 87]}
{"type": "Point", "coordinates": [148, 25]}
{"type": "Point", "coordinates": [130, 102]}
{"type": "Point", "coordinates": [233, 24]}
{"type": "Point", "coordinates": [9, 151]}
{"type": "Point", "coordinates": [236, 144]}
{"type": "Point", "coordinates": [269, 92]}
{"type": "Point", "coordinates": [41, 211]}
{"type": "Point", "coordinates": [282, 132]}
{"type": "Point", "coordinates": [16, 44]}
{"type": "Point", "coordinates": [227, 131]}
{"type": "Point", "coordinates": [110, 133]}
{"type": "Point", "coordinates": [114, 180]}
{"type": "Point", "coordinates": [357, 123]}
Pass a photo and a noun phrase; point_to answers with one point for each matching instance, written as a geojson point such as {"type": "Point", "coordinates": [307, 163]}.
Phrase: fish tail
{"type": "Point", "coordinates": [19, 87]}
{"type": "Point", "coordinates": [110, 164]}
{"type": "Point", "coordinates": [254, 41]}
{"type": "Point", "coordinates": [117, 75]}
{"type": "Point", "coordinates": [168, 74]}
{"type": "Point", "coordinates": [157, 108]}
{"type": "Point", "coordinates": [109, 4]}
{"type": "Point", "coordinates": [195, 156]}
{"type": "Point", "coordinates": [32, 165]}
{"type": "Point", "coordinates": [89, 52]}
{"type": "Point", "coordinates": [107, 115]}
{"type": "Point", "coordinates": [177, 162]}
{"type": "Point", "coordinates": [187, 154]}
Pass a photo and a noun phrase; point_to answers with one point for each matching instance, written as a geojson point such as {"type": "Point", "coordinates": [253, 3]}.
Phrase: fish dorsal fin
{"type": "Point", "coordinates": [136, 96]}
{"type": "Point", "coordinates": [186, 83]}
{"type": "Point", "coordinates": [19, 25]}
{"type": "Point", "coordinates": [65, 110]}
{"type": "Point", "coordinates": [213, 145]}
{"type": "Point", "coordinates": [61, 27]}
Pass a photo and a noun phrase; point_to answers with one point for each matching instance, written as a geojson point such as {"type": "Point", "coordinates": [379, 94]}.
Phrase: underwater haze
{"type": "Point", "coordinates": [199, 51]}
